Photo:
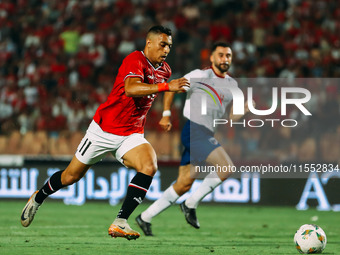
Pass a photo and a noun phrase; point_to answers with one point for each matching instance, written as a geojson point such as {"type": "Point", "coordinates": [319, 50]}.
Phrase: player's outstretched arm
{"type": "Point", "coordinates": [134, 87]}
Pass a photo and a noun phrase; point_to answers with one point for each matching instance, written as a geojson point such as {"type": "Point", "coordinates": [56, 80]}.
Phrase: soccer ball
{"type": "Point", "coordinates": [310, 238]}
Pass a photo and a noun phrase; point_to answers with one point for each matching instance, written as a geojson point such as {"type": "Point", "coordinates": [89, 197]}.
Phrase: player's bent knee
{"type": "Point", "coordinates": [149, 168]}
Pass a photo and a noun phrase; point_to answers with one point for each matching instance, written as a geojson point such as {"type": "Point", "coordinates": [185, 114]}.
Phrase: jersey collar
{"type": "Point", "coordinates": [155, 68]}
{"type": "Point", "coordinates": [217, 74]}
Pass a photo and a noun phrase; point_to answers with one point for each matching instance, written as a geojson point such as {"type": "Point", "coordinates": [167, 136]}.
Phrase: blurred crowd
{"type": "Point", "coordinates": [59, 59]}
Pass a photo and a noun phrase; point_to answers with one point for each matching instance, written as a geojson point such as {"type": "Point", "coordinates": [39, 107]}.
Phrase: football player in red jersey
{"type": "Point", "coordinates": [118, 128]}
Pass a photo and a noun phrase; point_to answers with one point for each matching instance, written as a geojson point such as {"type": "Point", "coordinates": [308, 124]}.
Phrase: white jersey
{"type": "Point", "coordinates": [207, 97]}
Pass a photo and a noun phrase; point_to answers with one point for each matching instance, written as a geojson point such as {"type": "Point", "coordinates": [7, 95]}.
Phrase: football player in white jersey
{"type": "Point", "coordinates": [198, 137]}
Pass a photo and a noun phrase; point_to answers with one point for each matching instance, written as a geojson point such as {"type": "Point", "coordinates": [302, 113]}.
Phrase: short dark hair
{"type": "Point", "coordinates": [219, 44]}
{"type": "Point", "coordinates": [160, 30]}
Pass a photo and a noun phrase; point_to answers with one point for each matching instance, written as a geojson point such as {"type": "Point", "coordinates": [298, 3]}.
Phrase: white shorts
{"type": "Point", "coordinates": [96, 143]}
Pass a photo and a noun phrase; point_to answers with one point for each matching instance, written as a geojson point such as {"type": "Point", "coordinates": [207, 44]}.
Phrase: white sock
{"type": "Point", "coordinates": [209, 183]}
{"type": "Point", "coordinates": [166, 200]}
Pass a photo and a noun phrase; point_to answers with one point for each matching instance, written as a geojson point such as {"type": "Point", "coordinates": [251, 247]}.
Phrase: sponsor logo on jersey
{"type": "Point", "coordinates": [211, 93]}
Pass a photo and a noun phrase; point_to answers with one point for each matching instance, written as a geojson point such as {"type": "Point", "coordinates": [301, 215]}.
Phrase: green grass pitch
{"type": "Point", "coordinates": [225, 229]}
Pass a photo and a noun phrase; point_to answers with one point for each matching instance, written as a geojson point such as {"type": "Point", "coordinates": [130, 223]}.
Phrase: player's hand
{"type": "Point", "coordinates": [179, 85]}
{"type": "Point", "coordinates": [165, 123]}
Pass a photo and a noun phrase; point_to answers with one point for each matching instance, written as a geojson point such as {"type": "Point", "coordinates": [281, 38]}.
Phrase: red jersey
{"type": "Point", "coordinates": [122, 115]}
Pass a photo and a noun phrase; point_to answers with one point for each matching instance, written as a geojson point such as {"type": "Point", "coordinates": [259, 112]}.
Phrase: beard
{"type": "Point", "coordinates": [223, 67]}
